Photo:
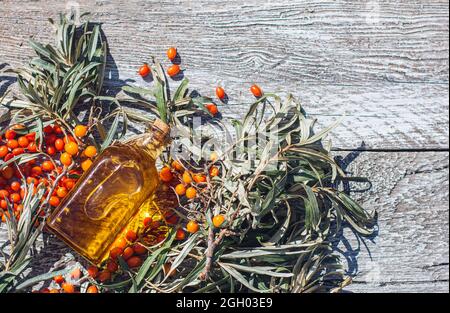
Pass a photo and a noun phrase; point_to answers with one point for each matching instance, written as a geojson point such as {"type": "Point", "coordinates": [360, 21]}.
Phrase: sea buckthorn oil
{"type": "Point", "coordinates": [110, 194]}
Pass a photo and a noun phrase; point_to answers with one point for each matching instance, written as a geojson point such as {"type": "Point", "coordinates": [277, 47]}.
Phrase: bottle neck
{"type": "Point", "coordinates": [154, 140]}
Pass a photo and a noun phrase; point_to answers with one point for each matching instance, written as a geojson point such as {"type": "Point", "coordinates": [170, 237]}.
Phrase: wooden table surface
{"type": "Point", "coordinates": [384, 64]}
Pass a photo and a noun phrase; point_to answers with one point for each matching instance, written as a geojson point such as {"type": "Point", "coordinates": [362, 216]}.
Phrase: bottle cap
{"type": "Point", "coordinates": [163, 131]}
{"type": "Point", "coordinates": [163, 127]}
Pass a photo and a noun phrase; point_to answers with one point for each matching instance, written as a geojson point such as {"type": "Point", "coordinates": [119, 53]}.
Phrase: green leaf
{"type": "Point", "coordinates": [46, 276]}
{"type": "Point", "coordinates": [181, 90]}
{"type": "Point", "coordinates": [111, 133]}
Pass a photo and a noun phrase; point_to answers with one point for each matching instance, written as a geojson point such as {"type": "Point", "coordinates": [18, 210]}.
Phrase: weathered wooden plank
{"type": "Point", "coordinates": [326, 53]}
{"type": "Point", "coordinates": [410, 253]}
{"type": "Point", "coordinates": [291, 40]}
{"type": "Point", "coordinates": [379, 116]}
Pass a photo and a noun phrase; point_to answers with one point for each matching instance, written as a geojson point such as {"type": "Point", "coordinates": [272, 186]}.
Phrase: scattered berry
{"type": "Point", "coordinates": [218, 220]}
{"type": "Point", "coordinates": [144, 70]}
{"type": "Point", "coordinates": [173, 70]}
{"type": "Point", "coordinates": [220, 93]}
{"type": "Point", "coordinates": [256, 91]}
{"type": "Point", "coordinates": [192, 227]}
{"type": "Point", "coordinates": [172, 53]}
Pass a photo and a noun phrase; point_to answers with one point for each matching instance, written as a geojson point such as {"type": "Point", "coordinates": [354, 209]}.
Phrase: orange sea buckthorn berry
{"type": "Point", "coordinates": [7, 172]}
{"type": "Point", "coordinates": [71, 148]}
{"type": "Point", "coordinates": [69, 183]}
{"type": "Point", "coordinates": [112, 266]}
{"type": "Point", "coordinates": [57, 129]}
{"type": "Point", "coordinates": [10, 134]}
{"type": "Point", "coordinates": [180, 235]}
{"type": "Point", "coordinates": [180, 189]}
{"type": "Point", "coordinates": [131, 235]}
{"type": "Point", "coordinates": [177, 165]}
{"type": "Point", "coordinates": [199, 178]}
{"type": "Point", "coordinates": [48, 166]}
{"type": "Point", "coordinates": [92, 271]}
{"type": "Point", "coordinates": [23, 141]}
{"type": "Point", "coordinates": [165, 175]}
{"type": "Point", "coordinates": [103, 276]}
{"type": "Point", "coordinates": [8, 157]}
{"type": "Point", "coordinates": [171, 217]}
{"type": "Point", "coordinates": [15, 186]}
{"type": "Point", "coordinates": [4, 194]}
{"type": "Point", "coordinates": [127, 253]}
{"type": "Point", "coordinates": [66, 159]}
{"type": "Point", "coordinates": [68, 139]}
{"type": "Point", "coordinates": [61, 192]}
{"type": "Point", "coordinates": [68, 288]}
{"type": "Point", "coordinates": [147, 221]}
{"type": "Point", "coordinates": [172, 53]}
{"type": "Point", "coordinates": [218, 220]}
{"type": "Point", "coordinates": [50, 139]}
{"type": "Point", "coordinates": [139, 249]}
{"type": "Point", "coordinates": [59, 144]}
{"type": "Point", "coordinates": [191, 193]}
{"type": "Point", "coordinates": [115, 252]}
{"type": "Point", "coordinates": [90, 151]}
{"type": "Point", "coordinates": [19, 208]}
{"type": "Point", "coordinates": [31, 136]}
{"type": "Point", "coordinates": [134, 262]}
{"type": "Point", "coordinates": [120, 243]}
{"type": "Point", "coordinates": [36, 170]}
{"type": "Point", "coordinates": [187, 179]}
{"type": "Point", "coordinates": [48, 129]}
{"type": "Point", "coordinates": [214, 171]}
{"type": "Point", "coordinates": [32, 147]}
{"type": "Point", "coordinates": [212, 108]}
{"type": "Point", "coordinates": [3, 151]}
{"type": "Point", "coordinates": [256, 91]}
{"type": "Point", "coordinates": [86, 164]}
{"type": "Point", "coordinates": [59, 279]}
{"type": "Point", "coordinates": [92, 289]}
{"type": "Point", "coordinates": [18, 151]}
{"type": "Point", "coordinates": [54, 201]}
{"type": "Point", "coordinates": [144, 70]}
{"type": "Point", "coordinates": [15, 197]}
{"type": "Point", "coordinates": [220, 93]}
{"type": "Point", "coordinates": [12, 144]}
{"type": "Point", "coordinates": [32, 180]}
{"type": "Point", "coordinates": [173, 70]}
{"type": "Point", "coordinates": [192, 227]}
{"type": "Point", "coordinates": [51, 150]}
{"type": "Point", "coordinates": [80, 131]}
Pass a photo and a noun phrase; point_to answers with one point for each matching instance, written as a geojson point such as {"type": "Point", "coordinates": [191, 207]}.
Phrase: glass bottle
{"type": "Point", "coordinates": [109, 194]}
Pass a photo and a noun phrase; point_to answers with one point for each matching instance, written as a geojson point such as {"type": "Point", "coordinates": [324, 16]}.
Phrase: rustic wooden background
{"type": "Point", "coordinates": [384, 64]}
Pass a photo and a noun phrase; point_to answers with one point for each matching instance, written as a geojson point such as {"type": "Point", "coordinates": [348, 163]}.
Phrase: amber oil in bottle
{"type": "Point", "coordinates": [108, 195]}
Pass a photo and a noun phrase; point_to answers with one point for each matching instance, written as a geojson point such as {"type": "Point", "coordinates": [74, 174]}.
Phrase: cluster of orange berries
{"type": "Point", "coordinates": [174, 70]}
{"type": "Point", "coordinates": [129, 248]}
{"type": "Point", "coordinates": [65, 286]}
{"type": "Point", "coordinates": [186, 185]}
{"type": "Point", "coordinates": [40, 170]}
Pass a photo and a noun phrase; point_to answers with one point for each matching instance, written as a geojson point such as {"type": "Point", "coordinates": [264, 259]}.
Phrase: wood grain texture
{"type": "Point", "coordinates": [384, 64]}
{"type": "Point", "coordinates": [410, 191]}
